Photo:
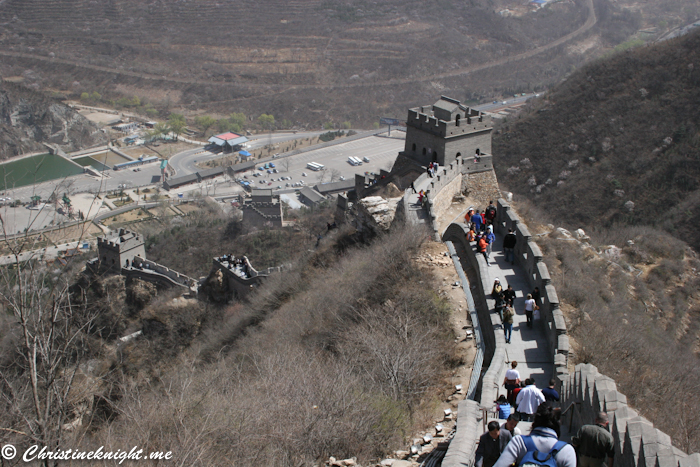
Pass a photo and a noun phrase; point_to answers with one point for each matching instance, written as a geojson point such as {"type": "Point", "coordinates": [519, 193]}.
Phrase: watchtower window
{"type": "Point", "coordinates": [424, 151]}
{"type": "Point", "coordinates": [414, 147]}
{"type": "Point", "coordinates": [457, 119]}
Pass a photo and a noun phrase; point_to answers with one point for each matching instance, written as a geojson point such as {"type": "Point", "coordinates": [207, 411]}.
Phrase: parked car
{"type": "Point", "coordinates": [365, 159]}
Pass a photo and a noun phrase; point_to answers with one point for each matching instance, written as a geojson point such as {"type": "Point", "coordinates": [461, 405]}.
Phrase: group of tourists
{"type": "Point", "coordinates": [504, 300]}
{"type": "Point", "coordinates": [432, 169]}
{"type": "Point", "coordinates": [481, 229]}
{"type": "Point", "coordinates": [523, 396]}
{"type": "Point", "coordinates": [593, 445]}
{"type": "Point", "coordinates": [478, 221]}
{"type": "Point", "coordinates": [504, 445]}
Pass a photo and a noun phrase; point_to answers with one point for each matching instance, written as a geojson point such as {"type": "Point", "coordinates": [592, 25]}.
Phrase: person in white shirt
{"type": "Point", "coordinates": [529, 309]}
{"type": "Point", "coordinates": [511, 381]}
{"type": "Point", "coordinates": [529, 399]}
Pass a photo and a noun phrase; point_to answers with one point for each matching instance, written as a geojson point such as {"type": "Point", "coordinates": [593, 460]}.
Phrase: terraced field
{"type": "Point", "coordinates": [300, 59]}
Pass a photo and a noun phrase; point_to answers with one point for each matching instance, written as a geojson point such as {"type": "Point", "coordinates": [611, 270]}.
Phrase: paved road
{"type": "Point", "coordinates": [47, 253]}
{"type": "Point", "coordinates": [185, 162]}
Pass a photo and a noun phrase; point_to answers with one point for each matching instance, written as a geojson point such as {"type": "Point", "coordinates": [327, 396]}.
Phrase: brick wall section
{"type": "Point", "coordinates": [637, 442]}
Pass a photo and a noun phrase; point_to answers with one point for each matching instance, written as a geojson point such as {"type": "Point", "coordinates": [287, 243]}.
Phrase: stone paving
{"type": "Point", "coordinates": [528, 345]}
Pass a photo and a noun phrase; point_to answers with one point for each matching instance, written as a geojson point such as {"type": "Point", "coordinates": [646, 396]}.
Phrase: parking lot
{"type": "Point", "coordinates": [380, 151]}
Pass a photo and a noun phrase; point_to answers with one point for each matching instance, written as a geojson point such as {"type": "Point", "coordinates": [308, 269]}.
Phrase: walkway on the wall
{"type": "Point", "coordinates": [528, 346]}
{"type": "Point", "coordinates": [415, 211]}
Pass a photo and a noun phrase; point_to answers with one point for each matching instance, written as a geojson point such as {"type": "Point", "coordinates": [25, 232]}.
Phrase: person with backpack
{"type": "Point", "coordinates": [490, 213]}
{"type": "Point", "coordinates": [504, 408]}
{"type": "Point", "coordinates": [491, 445]}
{"type": "Point", "coordinates": [542, 447]}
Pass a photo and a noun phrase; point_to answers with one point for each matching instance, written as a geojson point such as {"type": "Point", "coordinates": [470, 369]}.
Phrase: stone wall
{"type": "Point", "coordinates": [443, 200]}
{"type": "Point", "coordinates": [145, 268]}
{"type": "Point", "coordinates": [481, 187]}
{"type": "Point", "coordinates": [637, 442]}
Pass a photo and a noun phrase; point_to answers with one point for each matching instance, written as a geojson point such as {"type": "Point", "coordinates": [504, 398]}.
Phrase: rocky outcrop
{"type": "Point", "coordinates": [28, 119]}
{"type": "Point", "coordinates": [375, 214]}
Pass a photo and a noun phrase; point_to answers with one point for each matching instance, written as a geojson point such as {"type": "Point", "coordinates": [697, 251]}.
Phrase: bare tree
{"type": "Point", "coordinates": [49, 349]}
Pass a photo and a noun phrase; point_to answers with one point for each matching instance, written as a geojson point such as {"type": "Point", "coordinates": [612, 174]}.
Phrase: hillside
{"type": "Point", "coordinates": [306, 61]}
{"type": "Point", "coordinates": [617, 143]}
{"type": "Point", "coordinates": [29, 118]}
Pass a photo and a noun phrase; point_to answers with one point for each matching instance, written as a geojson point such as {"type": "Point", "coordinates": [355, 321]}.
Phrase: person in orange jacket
{"type": "Point", "coordinates": [481, 246]}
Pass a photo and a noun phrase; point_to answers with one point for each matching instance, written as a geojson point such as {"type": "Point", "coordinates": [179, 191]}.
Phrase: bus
{"type": "Point", "coordinates": [354, 161]}
{"type": "Point", "coordinates": [314, 166]}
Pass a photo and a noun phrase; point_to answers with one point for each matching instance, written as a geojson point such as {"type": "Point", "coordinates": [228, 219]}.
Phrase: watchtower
{"type": "Point", "coordinates": [119, 251]}
{"type": "Point", "coordinates": [445, 131]}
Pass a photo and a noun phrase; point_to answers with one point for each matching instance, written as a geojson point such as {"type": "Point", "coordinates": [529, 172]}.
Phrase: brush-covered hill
{"type": "Point", "coordinates": [617, 143]}
{"type": "Point", "coordinates": [29, 118]}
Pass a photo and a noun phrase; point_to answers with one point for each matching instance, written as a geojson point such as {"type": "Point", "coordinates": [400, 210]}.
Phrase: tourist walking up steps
{"type": "Point", "coordinates": [481, 245]}
{"type": "Point", "coordinates": [544, 438]}
{"type": "Point", "coordinates": [490, 238]}
{"type": "Point", "coordinates": [550, 394]}
{"type": "Point", "coordinates": [508, 314]}
{"type": "Point", "coordinates": [511, 424]}
{"type": "Point", "coordinates": [594, 443]}
{"type": "Point", "coordinates": [491, 445]}
{"type": "Point", "coordinates": [509, 295]}
{"type": "Point", "coordinates": [529, 399]}
{"type": "Point", "coordinates": [509, 242]}
{"type": "Point", "coordinates": [512, 380]}
{"type": "Point", "coordinates": [477, 221]}
{"type": "Point", "coordinates": [530, 306]}
{"type": "Point", "coordinates": [497, 296]}
{"type": "Point", "coordinates": [490, 213]}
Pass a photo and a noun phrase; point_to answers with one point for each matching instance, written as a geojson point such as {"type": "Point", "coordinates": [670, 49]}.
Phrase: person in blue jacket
{"type": "Point", "coordinates": [477, 221]}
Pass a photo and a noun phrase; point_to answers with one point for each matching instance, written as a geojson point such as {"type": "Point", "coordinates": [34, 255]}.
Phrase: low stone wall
{"type": "Point", "coordinates": [469, 412]}
{"type": "Point", "coordinates": [443, 199]}
{"type": "Point", "coordinates": [495, 345]}
{"type": "Point", "coordinates": [529, 256]}
{"type": "Point", "coordinates": [637, 442]}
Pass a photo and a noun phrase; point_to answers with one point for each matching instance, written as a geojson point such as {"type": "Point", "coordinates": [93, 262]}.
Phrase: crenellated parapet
{"type": "Point", "coordinates": [638, 443]}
